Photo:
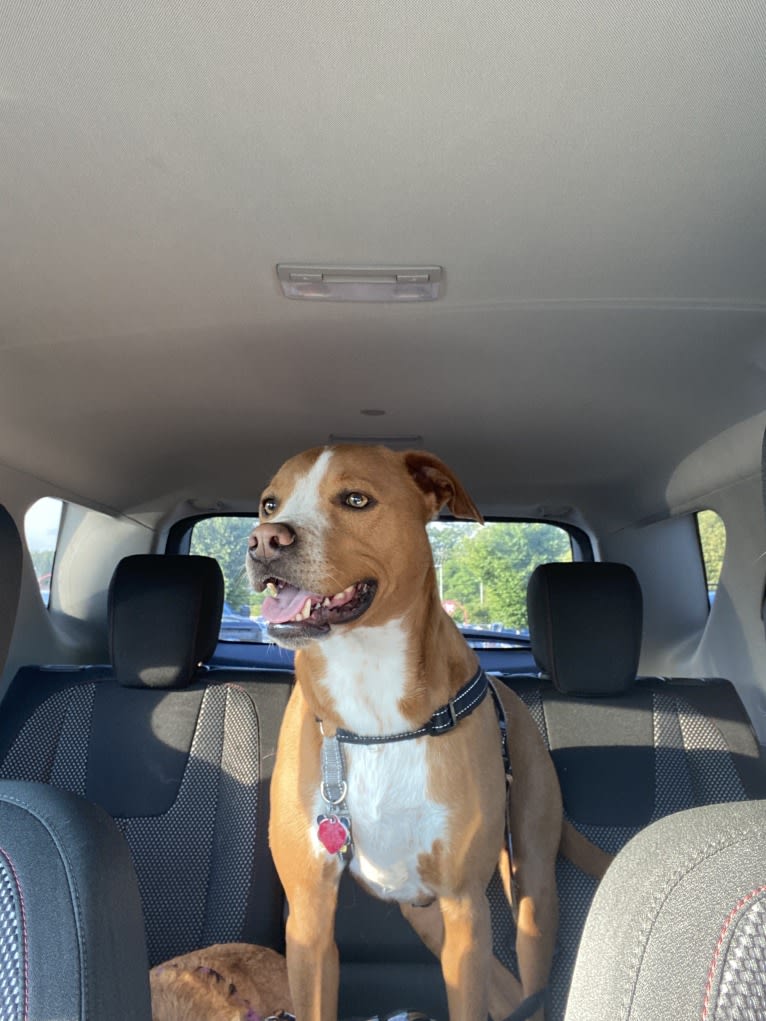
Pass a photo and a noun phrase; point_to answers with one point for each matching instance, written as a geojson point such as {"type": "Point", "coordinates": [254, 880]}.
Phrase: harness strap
{"type": "Point", "coordinates": [502, 721]}
{"type": "Point", "coordinates": [333, 789]}
{"type": "Point", "coordinates": [528, 1007]}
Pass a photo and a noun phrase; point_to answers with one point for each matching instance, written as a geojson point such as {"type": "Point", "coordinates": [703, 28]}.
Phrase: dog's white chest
{"type": "Point", "coordinates": [393, 821]}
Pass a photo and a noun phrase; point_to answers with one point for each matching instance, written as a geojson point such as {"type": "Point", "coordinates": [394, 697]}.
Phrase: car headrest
{"type": "Point", "coordinates": [165, 614]}
{"type": "Point", "coordinates": [585, 625]}
{"type": "Point", "coordinates": [10, 580]}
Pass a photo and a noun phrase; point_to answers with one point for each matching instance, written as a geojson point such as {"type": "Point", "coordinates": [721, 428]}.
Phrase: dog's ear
{"type": "Point", "coordinates": [440, 485]}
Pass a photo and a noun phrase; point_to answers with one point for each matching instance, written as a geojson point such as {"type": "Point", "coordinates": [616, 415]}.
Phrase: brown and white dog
{"type": "Point", "coordinates": [342, 548]}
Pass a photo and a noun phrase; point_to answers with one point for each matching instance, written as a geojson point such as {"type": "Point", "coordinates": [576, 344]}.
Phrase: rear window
{"type": "Point", "coordinates": [481, 570]}
{"type": "Point", "coordinates": [225, 538]}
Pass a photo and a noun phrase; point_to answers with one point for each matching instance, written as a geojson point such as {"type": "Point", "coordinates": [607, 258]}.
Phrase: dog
{"type": "Point", "coordinates": [389, 760]}
{"type": "Point", "coordinates": [225, 982]}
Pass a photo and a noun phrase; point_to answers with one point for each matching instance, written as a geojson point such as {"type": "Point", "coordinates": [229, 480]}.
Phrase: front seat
{"type": "Point", "coordinates": [677, 929]}
{"type": "Point", "coordinates": [72, 944]}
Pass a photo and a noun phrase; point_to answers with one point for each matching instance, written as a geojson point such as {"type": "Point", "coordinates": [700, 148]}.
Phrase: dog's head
{"type": "Point", "coordinates": [342, 537]}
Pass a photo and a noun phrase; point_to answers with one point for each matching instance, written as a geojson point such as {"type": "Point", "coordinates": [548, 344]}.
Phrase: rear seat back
{"type": "Point", "coordinates": [179, 755]}
{"type": "Point", "coordinates": [628, 751]}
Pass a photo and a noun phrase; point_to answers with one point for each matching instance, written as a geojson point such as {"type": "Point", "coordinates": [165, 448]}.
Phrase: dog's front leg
{"type": "Point", "coordinates": [309, 874]}
{"type": "Point", "coordinates": [312, 956]}
{"type": "Point", "coordinates": [466, 954]}
{"type": "Point", "coordinates": [504, 988]}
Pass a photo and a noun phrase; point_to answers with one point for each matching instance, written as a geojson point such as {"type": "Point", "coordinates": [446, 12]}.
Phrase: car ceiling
{"type": "Point", "coordinates": [590, 176]}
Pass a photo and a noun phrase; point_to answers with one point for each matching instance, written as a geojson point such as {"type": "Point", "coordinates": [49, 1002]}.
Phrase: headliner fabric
{"type": "Point", "coordinates": [585, 626]}
{"type": "Point", "coordinates": [590, 175]}
{"type": "Point", "coordinates": [165, 618]}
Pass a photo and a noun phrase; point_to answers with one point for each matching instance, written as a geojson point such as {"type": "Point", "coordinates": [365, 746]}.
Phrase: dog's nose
{"type": "Point", "coordinates": [266, 540]}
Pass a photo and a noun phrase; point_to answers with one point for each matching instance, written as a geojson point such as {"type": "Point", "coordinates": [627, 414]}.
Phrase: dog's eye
{"type": "Point", "coordinates": [356, 500]}
{"type": "Point", "coordinates": [269, 505]}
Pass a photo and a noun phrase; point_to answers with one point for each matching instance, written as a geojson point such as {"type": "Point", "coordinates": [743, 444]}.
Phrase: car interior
{"type": "Point", "coordinates": [528, 239]}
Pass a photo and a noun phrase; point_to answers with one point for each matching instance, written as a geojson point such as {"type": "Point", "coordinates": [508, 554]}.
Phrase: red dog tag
{"type": "Point", "coordinates": [333, 833]}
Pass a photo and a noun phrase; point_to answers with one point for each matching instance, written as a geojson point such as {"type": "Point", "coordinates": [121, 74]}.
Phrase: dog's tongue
{"type": "Point", "coordinates": [283, 607]}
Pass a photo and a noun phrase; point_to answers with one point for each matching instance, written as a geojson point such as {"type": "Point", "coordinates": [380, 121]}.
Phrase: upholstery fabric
{"type": "Point", "coordinates": [183, 771]}
{"type": "Point", "coordinates": [194, 860]}
{"type": "Point", "coordinates": [585, 623]}
{"type": "Point", "coordinates": [13, 944]}
{"type": "Point", "coordinates": [676, 929]}
{"type": "Point", "coordinates": [739, 963]}
{"type": "Point", "coordinates": [52, 746]}
{"type": "Point", "coordinates": [71, 929]}
{"type": "Point", "coordinates": [691, 766]}
{"type": "Point", "coordinates": [197, 894]}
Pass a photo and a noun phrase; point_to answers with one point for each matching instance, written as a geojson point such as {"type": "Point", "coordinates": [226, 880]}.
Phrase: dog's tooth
{"type": "Point", "coordinates": [326, 601]}
{"type": "Point", "coordinates": [303, 612]}
{"type": "Point", "coordinates": [272, 590]}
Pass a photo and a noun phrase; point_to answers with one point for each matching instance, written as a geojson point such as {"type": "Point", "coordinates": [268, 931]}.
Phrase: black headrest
{"type": "Point", "coordinates": [165, 614]}
{"type": "Point", "coordinates": [585, 625]}
{"type": "Point", "coordinates": [10, 580]}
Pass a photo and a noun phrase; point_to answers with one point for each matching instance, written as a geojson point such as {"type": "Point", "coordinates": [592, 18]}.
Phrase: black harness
{"type": "Point", "coordinates": [443, 721]}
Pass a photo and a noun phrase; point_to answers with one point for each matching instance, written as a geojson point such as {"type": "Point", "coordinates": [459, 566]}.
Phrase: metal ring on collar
{"type": "Point", "coordinates": [333, 801]}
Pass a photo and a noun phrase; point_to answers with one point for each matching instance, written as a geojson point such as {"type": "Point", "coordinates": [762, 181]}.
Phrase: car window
{"type": "Point", "coordinates": [42, 524]}
{"type": "Point", "coordinates": [481, 570]}
{"type": "Point", "coordinates": [225, 539]}
{"type": "Point", "coordinates": [712, 533]}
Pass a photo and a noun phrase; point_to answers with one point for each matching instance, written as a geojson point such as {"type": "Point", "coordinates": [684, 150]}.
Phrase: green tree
{"type": "Point", "coordinates": [712, 533]}
{"type": "Point", "coordinates": [225, 538]}
{"type": "Point", "coordinates": [485, 570]}
{"type": "Point", "coordinates": [446, 538]}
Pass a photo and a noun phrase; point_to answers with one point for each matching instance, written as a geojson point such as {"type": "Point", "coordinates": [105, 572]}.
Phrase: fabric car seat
{"type": "Point", "coordinates": [71, 928]}
{"type": "Point", "coordinates": [178, 754]}
{"type": "Point", "coordinates": [677, 929]}
{"type": "Point", "coordinates": [628, 751]}
{"type": "Point", "coordinates": [72, 944]}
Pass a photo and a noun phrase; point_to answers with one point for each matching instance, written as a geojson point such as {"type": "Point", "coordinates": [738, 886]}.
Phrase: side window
{"type": "Point", "coordinates": [42, 524]}
{"type": "Point", "coordinates": [225, 538]}
{"type": "Point", "coordinates": [483, 570]}
{"type": "Point", "coordinates": [712, 533]}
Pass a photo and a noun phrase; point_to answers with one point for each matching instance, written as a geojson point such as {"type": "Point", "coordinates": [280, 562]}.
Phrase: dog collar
{"type": "Point", "coordinates": [441, 722]}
